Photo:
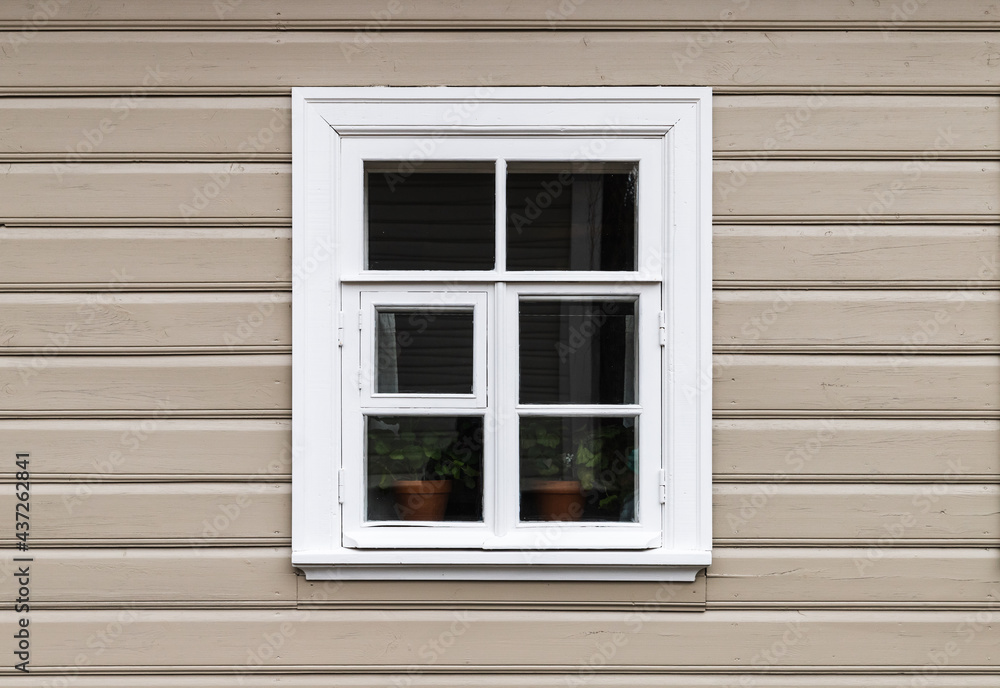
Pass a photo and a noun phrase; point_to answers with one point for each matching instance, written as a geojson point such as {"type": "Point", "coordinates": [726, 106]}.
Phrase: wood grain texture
{"type": "Point", "coordinates": [274, 61]}
{"type": "Point", "coordinates": [908, 321]}
{"type": "Point", "coordinates": [866, 575]}
{"type": "Point", "coordinates": [857, 190]}
{"type": "Point", "coordinates": [151, 383]}
{"type": "Point", "coordinates": [826, 255]}
{"type": "Point", "coordinates": [872, 126]}
{"type": "Point", "coordinates": [194, 577]}
{"type": "Point", "coordinates": [878, 516]}
{"type": "Point", "coordinates": [881, 450]}
{"type": "Point", "coordinates": [195, 515]}
{"type": "Point", "coordinates": [563, 641]}
{"type": "Point", "coordinates": [116, 259]}
{"type": "Point", "coordinates": [228, 322]}
{"type": "Point", "coordinates": [107, 450]}
{"type": "Point", "coordinates": [409, 14]}
{"type": "Point", "coordinates": [87, 127]}
{"type": "Point", "coordinates": [248, 128]}
{"type": "Point", "coordinates": [183, 191]}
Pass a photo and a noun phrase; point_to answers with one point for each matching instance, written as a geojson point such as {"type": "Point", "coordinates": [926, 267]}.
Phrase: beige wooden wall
{"type": "Point", "coordinates": [145, 280]}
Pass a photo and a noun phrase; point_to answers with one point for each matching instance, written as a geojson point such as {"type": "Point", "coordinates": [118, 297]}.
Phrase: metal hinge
{"type": "Point", "coordinates": [341, 485]}
{"type": "Point", "coordinates": [663, 487]}
{"type": "Point", "coordinates": [340, 329]}
{"type": "Point", "coordinates": [663, 329]}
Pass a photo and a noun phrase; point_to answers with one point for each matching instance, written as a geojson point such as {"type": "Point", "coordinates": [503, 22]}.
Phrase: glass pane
{"type": "Point", "coordinates": [571, 217]}
{"type": "Point", "coordinates": [577, 352]}
{"type": "Point", "coordinates": [425, 468]}
{"type": "Point", "coordinates": [423, 352]}
{"type": "Point", "coordinates": [430, 220]}
{"type": "Point", "coordinates": [578, 468]}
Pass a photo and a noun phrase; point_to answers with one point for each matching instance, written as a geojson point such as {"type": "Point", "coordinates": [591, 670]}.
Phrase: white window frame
{"type": "Point", "coordinates": [334, 129]}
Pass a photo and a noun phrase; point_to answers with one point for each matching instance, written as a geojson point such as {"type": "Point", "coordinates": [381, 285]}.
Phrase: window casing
{"type": "Point", "coordinates": [573, 316]}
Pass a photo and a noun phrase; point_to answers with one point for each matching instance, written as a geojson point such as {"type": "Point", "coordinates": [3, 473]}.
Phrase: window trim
{"type": "Point", "coordinates": [323, 120]}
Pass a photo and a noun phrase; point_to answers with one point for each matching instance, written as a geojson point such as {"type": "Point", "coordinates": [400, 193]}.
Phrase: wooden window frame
{"type": "Point", "coordinates": [335, 130]}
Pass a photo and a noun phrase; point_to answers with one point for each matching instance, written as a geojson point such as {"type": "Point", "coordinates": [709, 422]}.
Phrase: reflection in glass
{"type": "Point", "coordinates": [578, 468]}
{"type": "Point", "coordinates": [423, 352]}
{"type": "Point", "coordinates": [579, 351]}
{"type": "Point", "coordinates": [571, 217]}
{"type": "Point", "coordinates": [424, 468]}
{"type": "Point", "coordinates": [425, 220]}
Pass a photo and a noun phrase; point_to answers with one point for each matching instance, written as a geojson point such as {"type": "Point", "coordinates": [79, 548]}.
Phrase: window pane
{"type": "Point", "coordinates": [571, 218]}
{"type": "Point", "coordinates": [428, 220]}
{"type": "Point", "coordinates": [577, 352]}
{"type": "Point", "coordinates": [425, 468]}
{"type": "Point", "coordinates": [578, 468]}
{"type": "Point", "coordinates": [423, 352]}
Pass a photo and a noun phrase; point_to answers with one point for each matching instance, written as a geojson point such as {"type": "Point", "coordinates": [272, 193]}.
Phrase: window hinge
{"type": "Point", "coordinates": [361, 320]}
{"type": "Point", "coordinates": [340, 329]}
{"type": "Point", "coordinates": [359, 377]}
{"type": "Point", "coordinates": [663, 329]}
{"type": "Point", "coordinates": [341, 485]}
{"type": "Point", "coordinates": [663, 487]}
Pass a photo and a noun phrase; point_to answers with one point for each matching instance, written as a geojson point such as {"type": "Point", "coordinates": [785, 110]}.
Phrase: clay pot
{"type": "Point", "coordinates": [558, 500]}
{"type": "Point", "coordinates": [421, 500]}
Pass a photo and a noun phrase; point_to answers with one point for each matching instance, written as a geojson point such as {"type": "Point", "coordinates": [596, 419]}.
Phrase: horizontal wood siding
{"type": "Point", "coordinates": [145, 339]}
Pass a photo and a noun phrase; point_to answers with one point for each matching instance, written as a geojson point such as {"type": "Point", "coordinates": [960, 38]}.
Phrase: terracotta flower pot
{"type": "Point", "coordinates": [421, 500]}
{"type": "Point", "coordinates": [558, 500]}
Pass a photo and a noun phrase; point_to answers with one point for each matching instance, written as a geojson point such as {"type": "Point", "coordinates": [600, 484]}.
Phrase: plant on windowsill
{"type": "Point", "coordinates": [599, 472]}
{"type": "Point", "coordinates": [419, 465]}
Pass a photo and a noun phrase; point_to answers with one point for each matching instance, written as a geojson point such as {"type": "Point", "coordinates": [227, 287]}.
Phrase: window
{"type": "Point", "coordinates": [501, 333]}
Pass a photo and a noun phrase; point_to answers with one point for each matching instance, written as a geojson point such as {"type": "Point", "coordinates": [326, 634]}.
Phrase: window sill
{"type": "Point", "coordinates": [520, 565]}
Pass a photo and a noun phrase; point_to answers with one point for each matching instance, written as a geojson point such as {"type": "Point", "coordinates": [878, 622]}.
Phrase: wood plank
{"type": "Point", "coordinates": [566, 641]}
{"type": "Point", "coordinates": [109, 321]}
{"type": "Point", "coordinates": [859, 190]}
{"type": "Point", "coordinates": [149, 383]}
{"type": "Point", "coordinates": [565, 595]}
{"type": "Point", "coordinates": [881, 516]}
{"type": "Point", "coordinates": [242, 127]}
{"type": "Point", "coordinates": [856, 383]}
{"type": "Point", "coordinates": [195, 514]}
{"type": "Point", "coordinates": [879, 449]}
{"type": "Point", "coordinates": [871, 125]}
{"type": "Point", "coordinates": [428, 678]}
{"type": "Point", "coordinates": [183, 191]}
{"type": "Point", "coordinates": [410, 14]}
{"type": "Point", "coordinates": [910, 321]}
{"type": "Point", "coordinates": [116, 259]}
{"type": "Point", "coordinates": [97, 450]}
{"type": "Point", "coordinates": [747, 60]}
{"type": "Point", "coordinates": [87, 127]}
{"type": "Point", "coordinates": [203, 575]}
{"type": "Point", "coordinates": [857, 253]}
{"type": "Point", "coordinates": [872, 575]}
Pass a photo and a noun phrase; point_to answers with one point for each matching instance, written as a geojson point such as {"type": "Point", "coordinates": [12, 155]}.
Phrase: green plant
{"type": "Point", "coordinates": [599, 454]}
{"type": "Point", "coordinates": [424, 448]}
